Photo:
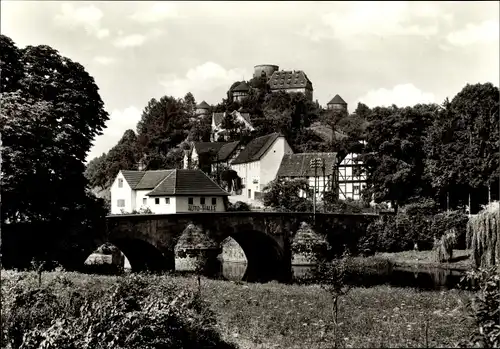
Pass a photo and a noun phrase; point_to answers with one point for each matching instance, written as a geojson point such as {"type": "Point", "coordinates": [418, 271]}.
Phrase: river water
{"type": "Point", "coordinates": [420, 278]}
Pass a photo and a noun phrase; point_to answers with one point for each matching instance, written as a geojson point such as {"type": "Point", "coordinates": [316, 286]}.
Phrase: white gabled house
{"type": "Point", "coordinates": [258, 163]}
{"type": "Point", "coordinates": [166, 191]}
{"type": "Point", "coordinates": [350, 183]}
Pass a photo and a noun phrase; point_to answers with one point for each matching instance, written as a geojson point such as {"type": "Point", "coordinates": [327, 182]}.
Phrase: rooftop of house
{"type": "Point", "coordinates": [173, 183]}
{"type": "Point", "coordinates": [218, 117]}
{"type": "Point", "coordinates": [242, 87]}
{"type": "Point", "coordinates": [337, 100]}
{"type": "Point", "coordinates": [299, 165]}
{"type": "Point", "coordinates": [289, 79]}
{"type": "Point", "coordinates": [256, 148]}
{"type": "Point", "coordinates": [203, 105]}
{"type": "Point", "coordinates": [223, 149]}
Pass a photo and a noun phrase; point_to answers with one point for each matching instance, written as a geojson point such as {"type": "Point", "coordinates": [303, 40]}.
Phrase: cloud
{"type": "Point", "coordinates": [377, 18]}
{"type": "Point", "coordinates": [89, 17]}
{"type": "Point", "coordinates": [103, 60]}
{"type": "Point", "coordinates": [484, 32]}
{"type": "Point", "coordinates": [136, 40]}
{"type": "Point", "coordinates": [402, 95]}
{"type": "Point", "coordinates": [119, 121]}
{"type": "Point", "coordinates": [356, 23]}
{"type": "Point", "coordinates": [203, 78]}
{"type": "Point", "coordinates": [133, 40]}
{"type": "Point", "coordinates": [156, 13]}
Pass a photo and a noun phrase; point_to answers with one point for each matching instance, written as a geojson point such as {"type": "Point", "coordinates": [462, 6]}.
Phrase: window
{"type": "Point", "coordinates": [249, 193]}
{"type": "Point", "coordinates": [167, 201]}
{"type": "Point", "coordinates": [157, 201]}
{"type": "Point", "coordinates": [202, 201]}
{"type": "Point", "coordinates": [214, 201]}
{"type": "Point", "coordinates": [120, 182]}
{"type": "Point", "coordinates": [190, 201]}
{"type": "Point", "coordinates": [120, 203]}
{"type": "Point", "coordinates": [144, 201]}
{"type": "Point", "coordinates": [355, 189]}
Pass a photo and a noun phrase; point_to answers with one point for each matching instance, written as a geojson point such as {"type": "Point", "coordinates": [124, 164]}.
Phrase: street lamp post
{"type": "Point", "coordinates": [315, 163]}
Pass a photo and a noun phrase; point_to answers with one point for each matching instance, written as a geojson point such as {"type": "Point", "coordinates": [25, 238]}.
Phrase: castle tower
{"type": "Point", "coordinates": [337, 103]}
{"type": "Point", "coordinates": [241, 91]}
{"type": "Point", "coordinates": [266, 70]}
{"type": "Point", "coordinates": [202, 109]}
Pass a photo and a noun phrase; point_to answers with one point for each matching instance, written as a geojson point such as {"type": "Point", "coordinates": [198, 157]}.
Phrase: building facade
{"type": "Point", "coordinates": [337, 103]}
{"type": "Point", "coordinates": [222, 155]}
{"type": "Point", "coordinates": [218, 131]}
{"type": "Point", "coordinates": [166, 191]}
{"type": "Point", "coordinates": [258, 164]}
{"type": "Point", "coordinates": [202, 109]}
{"type": "Point", "coordinates": [298, 166]}
{"type": "Point", "coordinates": [291, 82]}
{"type": "Point", "coordinates": [350, 183]}
{"type": "Point", "coordinates": [241, 92]}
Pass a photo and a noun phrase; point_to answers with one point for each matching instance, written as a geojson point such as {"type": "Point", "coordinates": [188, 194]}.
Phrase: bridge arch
{"type": "Point", "coordinates": [266, 259]}
{"type": "Point", "coordinates": [142, 255]}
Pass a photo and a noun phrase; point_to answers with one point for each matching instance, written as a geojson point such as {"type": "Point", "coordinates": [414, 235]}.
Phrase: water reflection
{"type": "Point", "coordinates": [422, 278]}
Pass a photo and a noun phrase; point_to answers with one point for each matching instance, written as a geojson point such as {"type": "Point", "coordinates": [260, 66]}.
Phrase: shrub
{"type": "Point", "coordinates": [443, 247]}
{"type": "Point", "coordinates": [239, 206]}
{"type": "Point", "coordinates": [445, 221]}
{"type": "Point", "coordinates": [486, 308]}
{"type": "Point", "coordinates": [483, 236]}
{"type": "Point", "coordinates": [130, 315]}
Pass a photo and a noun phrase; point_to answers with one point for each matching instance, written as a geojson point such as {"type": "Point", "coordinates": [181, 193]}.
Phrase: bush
{"type": "Point", "coordinates": [486, 308]}
{"type": "Point", "coordinates": [457, 220]}
{"type": "Point", "coordinates": [238, 206]}
{"type": "Point", "coordinates": [130, 315]}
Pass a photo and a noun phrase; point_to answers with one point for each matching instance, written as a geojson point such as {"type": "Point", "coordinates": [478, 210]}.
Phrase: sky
{"type": "Point", "coordinates": [378, 53]}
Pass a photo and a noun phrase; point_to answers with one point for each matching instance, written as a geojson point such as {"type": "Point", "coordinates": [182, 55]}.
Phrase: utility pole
{"type": "Point", "coordinates": [315, 163]}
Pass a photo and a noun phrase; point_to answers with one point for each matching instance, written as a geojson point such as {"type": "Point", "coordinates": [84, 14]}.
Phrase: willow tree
{"type": "Point", "coordinates": [483, 236]}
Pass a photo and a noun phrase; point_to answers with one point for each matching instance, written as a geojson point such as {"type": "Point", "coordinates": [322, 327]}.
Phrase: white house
{"type": "Point", "coordinates": [298, 166]}
{"type": "Point", "coordinates": [217, 118]}
{"type": "Point", "coordinates": [166, 191]}
{"type": "Point", "coordinates": [258, 163]}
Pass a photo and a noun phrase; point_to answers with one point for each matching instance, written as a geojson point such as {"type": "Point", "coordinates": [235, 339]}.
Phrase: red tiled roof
{"type": "Point", "coordinates": [256, 148]}
{"type": "Point", "coordinates": [289, 79]}
{"type": "Point", "coordinates": [187, 182]}
{"type": "Point", "coordinates": [298, 165]}
{"type": "Point", "coordinates": [337, 100]}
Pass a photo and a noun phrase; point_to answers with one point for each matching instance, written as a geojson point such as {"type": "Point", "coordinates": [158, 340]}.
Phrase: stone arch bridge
{"type": "Point", "coordinates": [148, 241]}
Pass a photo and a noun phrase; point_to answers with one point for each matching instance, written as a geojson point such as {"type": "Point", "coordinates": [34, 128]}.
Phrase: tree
{"type": "Point", "coordinates": [163, 126]}
{"type": "Point", "coordinates": [284, 195]}
{"type": "Point", "coordinates": [95, 172]}
{"type": "Point", "coordinates": [10, 64]}
{"type": "Point", "coordinates": [394, 157]}
{"type": "Point", "coordinates": [463, 145]}
{"type": "Point", "coordinates": [123, 156]}
{"type": "Point", "coordinates": [48, 124]}
{"type": "Point", "coordinates": [190, 104]}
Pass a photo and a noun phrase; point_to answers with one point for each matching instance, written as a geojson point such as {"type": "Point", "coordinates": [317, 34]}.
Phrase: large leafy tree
{"type": "Point", "coordinates": [394, 157]}
{"type": "Point", "coordinates": [463, 147]}
{"type": "Point", "coordinates": [163, 126]}
{"type": "Point", "coordinates": [49, 117]}
{"type": "Point", "coordinates": [95, 172]}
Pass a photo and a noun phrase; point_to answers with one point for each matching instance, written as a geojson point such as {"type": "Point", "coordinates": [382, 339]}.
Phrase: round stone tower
{"type": "Point", "coordinates": [264, 69]}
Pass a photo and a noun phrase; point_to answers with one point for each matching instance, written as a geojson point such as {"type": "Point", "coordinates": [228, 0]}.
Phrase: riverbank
{"type": "Point", "coordinates": [276, 315]}
{"type": "Point", "coordinates": [461, 259]}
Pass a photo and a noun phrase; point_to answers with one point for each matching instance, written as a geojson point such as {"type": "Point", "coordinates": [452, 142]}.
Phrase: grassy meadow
{"type": "Point", "coordinates": [270, 315]}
